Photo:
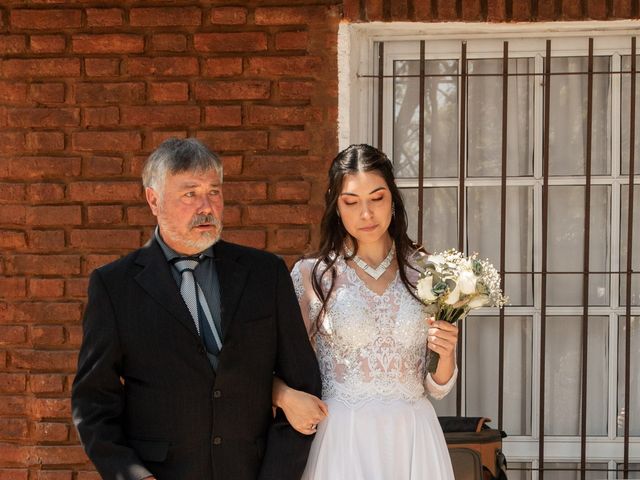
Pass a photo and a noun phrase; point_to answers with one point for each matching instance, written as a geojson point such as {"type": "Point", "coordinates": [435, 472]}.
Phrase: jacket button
{"type": "Point", "coordinates": [217, 440]}
{"type": "Point", "coordinates": [217, 394]}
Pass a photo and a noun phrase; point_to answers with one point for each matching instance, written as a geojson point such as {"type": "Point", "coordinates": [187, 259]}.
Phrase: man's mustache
{"type": "Point", "coordinates": [203, 219]}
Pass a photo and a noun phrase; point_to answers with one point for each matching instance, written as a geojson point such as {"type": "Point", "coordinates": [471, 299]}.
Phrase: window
{"type": "Point", "coordinates": [457, 203]}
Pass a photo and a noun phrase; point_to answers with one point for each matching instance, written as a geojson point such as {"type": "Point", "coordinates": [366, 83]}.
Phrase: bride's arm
{"type": "Point", "coordinates": [303, 410]}
{"type": "Point", "coordinates": [442, 339]}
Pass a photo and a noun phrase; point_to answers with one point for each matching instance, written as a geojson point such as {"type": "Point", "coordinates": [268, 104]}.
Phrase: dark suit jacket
{"type": "Point", "coordinates": [145, 398]}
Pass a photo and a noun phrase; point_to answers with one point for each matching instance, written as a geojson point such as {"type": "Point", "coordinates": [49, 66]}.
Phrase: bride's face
{"type": "Point", "coordinates": [364, 206]}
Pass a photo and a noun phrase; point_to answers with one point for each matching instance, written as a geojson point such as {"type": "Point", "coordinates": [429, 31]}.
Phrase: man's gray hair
{"type": "Point", "coordinates": [177, 155]}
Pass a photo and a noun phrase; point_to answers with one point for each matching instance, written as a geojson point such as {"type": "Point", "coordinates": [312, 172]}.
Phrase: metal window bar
{"type": "Point", "coordinates": [547, 74]}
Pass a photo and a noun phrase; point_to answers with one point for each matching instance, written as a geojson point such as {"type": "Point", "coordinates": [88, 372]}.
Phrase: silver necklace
{"type": "Point", "coordinates": [376, 272]}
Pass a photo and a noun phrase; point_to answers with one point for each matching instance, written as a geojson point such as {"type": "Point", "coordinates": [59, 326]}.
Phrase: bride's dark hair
{"type": "Point", "coordinates": [354, 159]}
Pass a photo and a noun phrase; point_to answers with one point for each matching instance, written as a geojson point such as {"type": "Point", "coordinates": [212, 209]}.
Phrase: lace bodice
{"type": "Point", "coordinates": [369, 346]}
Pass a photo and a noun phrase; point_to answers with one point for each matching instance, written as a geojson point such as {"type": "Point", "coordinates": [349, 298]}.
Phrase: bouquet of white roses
{"type": "Point", "coordinates": [451, 285]}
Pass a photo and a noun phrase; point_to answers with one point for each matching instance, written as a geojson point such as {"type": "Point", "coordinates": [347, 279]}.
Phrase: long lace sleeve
{"type": "Point", "coordinates": [436, 390]}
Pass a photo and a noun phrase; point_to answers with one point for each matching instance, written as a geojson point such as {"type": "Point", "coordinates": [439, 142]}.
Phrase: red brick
{"type": "Point", "coordinates": [107, 43]}
{"type": "Point", "coordinates": [292, 40]}
{"type": "Point", "coordinates": [292, 190]}
{"type": "Point", "coordinates": [10, 239]}
{"type": "Point", "coordinates": [140, 216]}
{"type": "Point", "coordinates": [12, 192]}
{"type": "Point", "coordinates": [290, 140]}
{"type": "Point", "coordinates": [13, 44]}
{"type": "Point", "coordinates": [74, 288]}
{"type": "Point", "coordinates": [621, 8]}
{"type": "Point", "coordinates": [596, 10]}
{"type": "Point", "coordinates": [153, 140]}
{"type": "Point", "coordinates": [3, 362]}
{"type": "Point", "coordinates": [49, 311]}
{"type": "Point", "coordinates": [105, 239]}
{"type": "Point", "coordinates": [15, 455]}
{"type": "Point", "coordinates": [14, 474]}
{"type": "Point", "coordinates": [46, 287]}
{"type": "Point", "coordinates": [399, 10]}
{"type": "Point", "coordinates": [49, 240]}
{"type": "Point", "coordinates": [15, 214]}
{"type": "Point", "coordinates": [91, 262]}
{"type": "Point", "coordinates": [223, 116]}
{"type": "Point", "coordinates": [228, 15]}
{"type": "Point", "coordinates": [87, 476]}
{"type": "Point", "coordinates": [232, 215]}
{"type": "Point", "coordinates": [104, 17]}
{"type": "Point", "coordinates": [280, 214]}
{"type": "Point", "coordinates": [52, 432]}
{"type": "Point", "coordinates": [52, 407]}
{"type": "Point", "coordinates": [41, 67]}
{"type": "Point", "coordinates": [230, 42]}
{"type": "Point", "coordinates": [11, 142]}
{"type": "Point", "coordinates": [521, 10]}
{"type": "Point", "coordinates": [12, 382]}
{"type": "Point", "coordinates": [374, 10]}
{"type": "Point", "coordinates": [233, 90]}
{"type": "Point", "coordinates": [54, 474]}
{"type": "Point", "coordinates": [250, 238]}
{"type": "Point", "coordinates": [268, 115]}
{"type": "Point", "coordinates": [46, 383]}
{"type": "Point", "coordinates": [59, 455]}
{"type": "Point", "coordinates": [54, 215]}
{"type": "Point", "coordinates": [101, 117]}
{"type": "Point", "coordinates": [423, 11]}
{"type": "Point", "coordinates": [47, 92]}
{"type": "Point", "coordinates": [45, 360]}
{"type": "Point", "coordinates": [163, 66]}
{"type": "Point", "coordinates": [51, 19]}
{"type": "Point", "coordinates": [101, 67]}
{"type": "Point", "coordinates": [546, 10]}
{"type": "Point", "coordinates": [13, 287]}
{"type": "Point", "coordinates": [104, 191]}
{"type": "Point", "coordinates": [351, 10]}
{"type": "Point", "coordinates": [13, 429]}
{"type": "Point", "coordinates": [45, 335]}
{"type": "Point", "coordinates": [106, 141]}
{"type": "Point", "coordinates": [306, 66]}
{"type": "Point", "coordinates": [12, 335]}
{"type": "Point", "coordinates": [13, 92]}
{"type": "Point", "coordinates": [44, 264]}
{"type": "Point", "coordinates": [572, 10]}
{"type": "Point", "coordinates": [47, 43]}
{"type": "Point", "coordinates": [104, 214]}
{"type": "Point", "coordinates": [222, 67]}
{"type": "Point", "coordinates": [41, 167]}
{"type": "Point", "coordinates": [165, 17]}
{"type": "Point", "coordinates": [471, 11]}
{"type": "Point", "coordinates": [45, 141]}
{"type": "Point", "coordinates": [43, 117]}
{"type": "Point", "coordinates": [283, 165]}
{"type": "Point", "coordinates": [169, 91]}
{"type": "Point", "coordinates": [46, 192]}
{"type": "Point", "coordinates": [244, 192]}
{"type": "Point", "coordinates": [102, 166]}
{"type": "Point", "coordinates": [169, 42]}
{"type": "Point", "coordinates": [303, 15]}
{"type": "Point", "coordinates": [160, 116]}
{"type": "Point", "coordinates": [447, 10]}
{"type": "Point", "coordinates": [122, 92]}
{"type": "Point", "coordinates": [232, 164]}
{"type": "Point", "coordinates": [496, 11]}
{"type": "Point", "coordinates": [12, 406]}
{"type": "Point", "coordinates": [233, 141]}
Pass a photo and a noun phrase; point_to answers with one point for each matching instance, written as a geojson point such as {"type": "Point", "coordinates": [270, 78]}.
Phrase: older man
{"type": "Point", "coordinates": [182, 339]}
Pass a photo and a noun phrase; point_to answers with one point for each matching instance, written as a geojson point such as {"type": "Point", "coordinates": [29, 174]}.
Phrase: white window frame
{"type": "Point", "coordinates": [357, 110]}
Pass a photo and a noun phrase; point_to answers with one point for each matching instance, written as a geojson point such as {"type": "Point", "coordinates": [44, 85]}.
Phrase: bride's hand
{"type": "Point", "coordinates": [303, 410]}
{"type": "Point", "coordinates": [442, 338]}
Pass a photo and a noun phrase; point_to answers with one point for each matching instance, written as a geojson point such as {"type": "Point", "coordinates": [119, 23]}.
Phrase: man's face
{"type": "Point", "coordinates": [189, 210]}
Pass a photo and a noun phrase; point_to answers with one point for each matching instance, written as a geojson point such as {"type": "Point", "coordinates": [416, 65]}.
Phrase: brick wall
{"type": "Point", "coordinates": [86, 92]}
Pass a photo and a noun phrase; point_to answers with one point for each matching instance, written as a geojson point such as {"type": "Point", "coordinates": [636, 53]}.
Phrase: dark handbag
{"type": "Point", "coordinates": [467, 435]}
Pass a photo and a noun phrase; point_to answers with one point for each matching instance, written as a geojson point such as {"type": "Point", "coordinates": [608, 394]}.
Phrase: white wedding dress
{"type": "Point", "coordinates": [371, 350]}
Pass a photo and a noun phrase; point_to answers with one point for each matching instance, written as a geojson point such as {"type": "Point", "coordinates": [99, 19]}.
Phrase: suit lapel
{"type": "Point", "coordinates": [156, 279]}
{"type": "Point", "coordinates": [232, 277]}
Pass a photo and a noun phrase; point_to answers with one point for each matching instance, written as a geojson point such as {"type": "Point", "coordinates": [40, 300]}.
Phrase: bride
{"type": "Point", "coordinates": [357, 295]}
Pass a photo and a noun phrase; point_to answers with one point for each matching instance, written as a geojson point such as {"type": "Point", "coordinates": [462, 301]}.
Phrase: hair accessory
{"type": "Point", "coordinates": [374, 272]}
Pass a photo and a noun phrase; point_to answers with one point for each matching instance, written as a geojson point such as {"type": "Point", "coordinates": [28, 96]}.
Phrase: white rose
{"type": "Point", "coordinates": [467, 282]}
{"type": "Point", "coordinates": [478, 301]}
{"type": "Point", "coordinates": [454, 295]}
{"type": "Point", "coordinates": [424, 289]}
{"type": "Point", "coordinates": [437, 259]}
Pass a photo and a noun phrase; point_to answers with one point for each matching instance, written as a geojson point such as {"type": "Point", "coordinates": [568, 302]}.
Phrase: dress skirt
{"type": "Point", "coordinates": [376, 440]}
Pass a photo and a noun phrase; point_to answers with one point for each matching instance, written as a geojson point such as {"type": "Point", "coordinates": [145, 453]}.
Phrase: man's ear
{"type": "Point", "coordinates": [152, 199]}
